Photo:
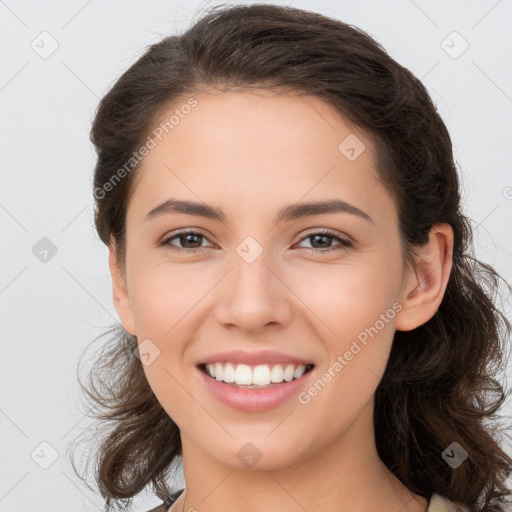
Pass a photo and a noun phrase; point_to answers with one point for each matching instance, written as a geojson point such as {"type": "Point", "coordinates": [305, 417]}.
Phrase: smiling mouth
{"type": "Point", "coordinates": [255, 377]}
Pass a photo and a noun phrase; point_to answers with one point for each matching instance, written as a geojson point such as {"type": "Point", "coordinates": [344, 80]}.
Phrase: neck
{"type": "Point", "coordinates": [346, 475]}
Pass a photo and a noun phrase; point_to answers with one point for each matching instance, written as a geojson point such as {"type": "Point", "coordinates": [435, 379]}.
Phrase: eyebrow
{"type": "Point", "coordinates": [288, 213]}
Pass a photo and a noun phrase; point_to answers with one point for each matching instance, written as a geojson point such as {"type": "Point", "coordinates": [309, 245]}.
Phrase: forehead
{"type": "Point", "coordinates": [258, 148]}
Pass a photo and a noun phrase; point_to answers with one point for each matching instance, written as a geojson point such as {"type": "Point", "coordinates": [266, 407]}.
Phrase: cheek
{"type": "Point", "coordinates": [350, 297]}
{"type": "Point", "coordinates": [165, 382]}
{"type": "Point", "coordinates": [356, 305]}
{"type": "Point", "coordinates": [357, 357]}
{"type": "Point", "coordinates": [164, 296]}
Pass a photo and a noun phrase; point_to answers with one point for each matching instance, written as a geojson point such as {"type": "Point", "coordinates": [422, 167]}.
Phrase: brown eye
{"type": "Point", "coordinates": [321, 241]}
{"type": "Point", "coordinates": [189, 240]}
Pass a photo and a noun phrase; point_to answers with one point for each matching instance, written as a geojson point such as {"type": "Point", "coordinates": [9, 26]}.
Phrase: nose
{"type": "Point", "coordinates": [253, 295]}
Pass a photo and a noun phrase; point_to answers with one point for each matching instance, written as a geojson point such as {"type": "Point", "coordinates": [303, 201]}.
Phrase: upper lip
{"type": "Point", "coordinates": [254, 358]}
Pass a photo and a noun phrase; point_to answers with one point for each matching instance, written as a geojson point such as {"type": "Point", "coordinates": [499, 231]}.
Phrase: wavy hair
{"type": "Point", "coordinates": [445, 386]}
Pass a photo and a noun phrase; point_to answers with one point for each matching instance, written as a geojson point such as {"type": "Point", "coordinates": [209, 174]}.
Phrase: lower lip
{"type": "Point", "coordinates": [254, 400]}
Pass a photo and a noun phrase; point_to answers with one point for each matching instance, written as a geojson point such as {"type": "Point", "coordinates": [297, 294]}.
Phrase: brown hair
{"type": "Point", "coordinates": [442, 387]}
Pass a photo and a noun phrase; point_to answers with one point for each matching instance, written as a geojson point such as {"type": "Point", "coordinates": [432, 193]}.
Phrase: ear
{"type": "Point", "coordinates": [425, 282]}
{"type": "Point", "coordinates": [120, 291]}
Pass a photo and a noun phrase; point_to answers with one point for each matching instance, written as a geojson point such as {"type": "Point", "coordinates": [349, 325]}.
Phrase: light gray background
{"type": "Point", "coordinates": [50, 311]}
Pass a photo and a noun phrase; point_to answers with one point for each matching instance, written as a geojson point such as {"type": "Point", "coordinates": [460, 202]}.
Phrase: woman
{"type": "Point", "coordinates": [303, 322]}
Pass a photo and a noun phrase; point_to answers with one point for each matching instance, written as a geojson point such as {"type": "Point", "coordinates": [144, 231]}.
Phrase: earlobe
{"type": "Point", "coordinates": [120, 291]}
{"type": "Point", "coordinates": [425, 283]}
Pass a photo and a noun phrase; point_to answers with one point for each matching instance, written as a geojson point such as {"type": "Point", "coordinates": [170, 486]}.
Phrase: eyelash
{"type": "Point", "coordinates": [344, 243]}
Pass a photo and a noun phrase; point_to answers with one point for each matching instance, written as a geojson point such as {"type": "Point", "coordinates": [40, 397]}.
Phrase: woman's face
{"type": "Point", "coordinates": [248, 282]}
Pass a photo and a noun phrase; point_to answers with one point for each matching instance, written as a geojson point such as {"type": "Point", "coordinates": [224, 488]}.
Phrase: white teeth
{"type": "Point", "coordinates": [288, 373]}
{"type": "Point", "coordinates": [243, 374]}
{"type": "Point", "coordinates": [299, 371]}
{"type": "Point", "coordinates": [276, 375]}
{"type": "Point", "coordinates": [229, 373]}
{"type": "Point", "coordinates": [218, 371]}
{"type": "Point", "coordinates": [260, 375]}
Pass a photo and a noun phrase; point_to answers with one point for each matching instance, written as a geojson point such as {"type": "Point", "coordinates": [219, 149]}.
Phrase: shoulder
{"type": "Point", "coordinates": [440, 504]}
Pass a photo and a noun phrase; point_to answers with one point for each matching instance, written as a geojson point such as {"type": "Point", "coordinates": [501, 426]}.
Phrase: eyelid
{"type": "Point", "coordinates": [344, 241]}
{"type": "Point", "coordinates": [325, 231]}
{"type": "Point", "coordinates": [184, 231]}
{"type": "Point", "coordinates": [311, 231]}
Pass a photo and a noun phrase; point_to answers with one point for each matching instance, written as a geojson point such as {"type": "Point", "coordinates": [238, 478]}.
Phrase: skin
{"type": "Point", "coordinates": [250, 155]}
